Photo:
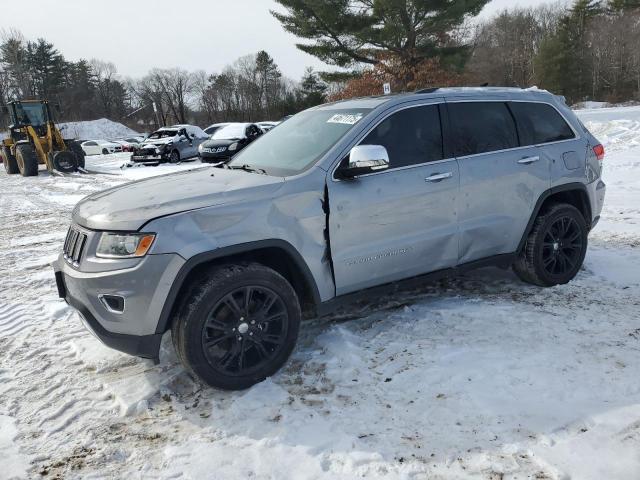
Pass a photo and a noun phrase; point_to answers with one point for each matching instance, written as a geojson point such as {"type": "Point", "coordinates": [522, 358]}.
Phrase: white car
{"type": "Point", "coordinates": [266, 126]}
{"type": "Point", "coordinates": [100, 147]}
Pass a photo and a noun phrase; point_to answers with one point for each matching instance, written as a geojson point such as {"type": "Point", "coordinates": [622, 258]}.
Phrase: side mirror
{"type": "Point", "coordinates": [365, 159]}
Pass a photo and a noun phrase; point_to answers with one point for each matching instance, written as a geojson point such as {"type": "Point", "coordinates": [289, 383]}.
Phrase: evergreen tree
{"type": "Point", "coordinates": [563, 63]}
{"type": "Point", "coordinates": [46, 66]}
{"type": "Point", "coordinates": [347, 33]}
{"type": "Point", "coordinates": [268, 79]}
{"type": "Point", "coordinates": [312, 89]}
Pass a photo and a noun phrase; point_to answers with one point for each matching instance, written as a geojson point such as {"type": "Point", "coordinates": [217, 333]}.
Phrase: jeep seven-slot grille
{"type": "Point", "coordinates": [74, 245]}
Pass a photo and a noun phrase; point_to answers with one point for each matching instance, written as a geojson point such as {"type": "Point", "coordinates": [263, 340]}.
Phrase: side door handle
{"type": "Point", "coordinates": [438, 177]}
{"type": "Point", "coordinates": [528, 160]}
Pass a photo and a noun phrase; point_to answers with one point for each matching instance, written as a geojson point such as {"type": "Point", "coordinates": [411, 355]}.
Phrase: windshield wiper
{"type": "Point", "coordinates": [247, 168]}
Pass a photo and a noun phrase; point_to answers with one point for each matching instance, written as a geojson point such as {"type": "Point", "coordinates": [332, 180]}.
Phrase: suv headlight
{"type": "Point", "coordinates": [233, 147]}
{"type": "Point", "coordinates": [124, 245]}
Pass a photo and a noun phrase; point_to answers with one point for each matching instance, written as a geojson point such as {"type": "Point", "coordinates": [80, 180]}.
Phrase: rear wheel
{"type": "Point", "coordinates": [27, 160]}
{"type": "Point", "coordinates": [555, 248]}
{"type": "Point", "coordinates": [9, 161]}
{"type": "Point", "coordinates": [238, 326]}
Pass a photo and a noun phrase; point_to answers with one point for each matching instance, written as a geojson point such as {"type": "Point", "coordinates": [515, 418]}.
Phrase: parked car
{"type": "Point", "coordinates": [228, 141]}
{"type": "Point", "coordinates": [266, 126]}
{"type": "Point", "coordinates": [170, 144]}
{"type": "Point", "coordinates": [128, 144]}
{"type": "Point", "coordinates": [100, 147]}
{"type": "Point", "coordinates": [341, 198]}
{"type": "Point", "coordinates": [211, 129]}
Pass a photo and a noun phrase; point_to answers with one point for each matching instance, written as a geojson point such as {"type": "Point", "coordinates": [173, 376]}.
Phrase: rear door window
{"type": "Point", "coordinates": [481, 127]}
{"type": "Point", "coordinates": [540, 123]}
{"type": "Point", "coordinates": [411, 136]}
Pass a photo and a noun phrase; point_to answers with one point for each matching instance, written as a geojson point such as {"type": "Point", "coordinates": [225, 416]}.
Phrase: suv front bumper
{"type": "Point", "coordinates": [144, 289]}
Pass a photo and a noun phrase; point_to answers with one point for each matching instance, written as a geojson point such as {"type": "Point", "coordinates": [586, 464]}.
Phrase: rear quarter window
{"type": "Point", "coordinates": [482, 127]}
{"type": "Point", "coordinates": [540, 123]}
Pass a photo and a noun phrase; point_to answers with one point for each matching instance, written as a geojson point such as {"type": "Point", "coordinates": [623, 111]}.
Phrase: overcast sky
{"type": "Point", "coordinates": [138, 35]}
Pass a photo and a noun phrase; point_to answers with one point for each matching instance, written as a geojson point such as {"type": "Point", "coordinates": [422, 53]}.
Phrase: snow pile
{"type": "Point", "coordinates": [95, 130]}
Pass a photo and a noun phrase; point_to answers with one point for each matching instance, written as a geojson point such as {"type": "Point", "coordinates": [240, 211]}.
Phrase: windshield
{"type": "Point", "coordinates": [299, 142]}
{"type": "Point", "coordinates": [163, 134]}
{"type": "Point", "coordinates": [230, 132]}
{"type": "Point", "coordinates": [30, 114]}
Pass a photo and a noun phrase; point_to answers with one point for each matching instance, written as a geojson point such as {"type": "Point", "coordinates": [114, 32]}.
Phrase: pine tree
{"type": "Point", "coordinates": [563, 63]}
{"type": "Point", "coordinates": [268, 80]}
{"type": "Point", "coordinates": [47, 69]}
{"type": "Point", "coordinates": [347, 33]}
{"type": "Point", "coordinates": [312, 89]}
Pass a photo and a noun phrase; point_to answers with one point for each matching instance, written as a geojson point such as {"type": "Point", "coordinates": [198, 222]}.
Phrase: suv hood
{"type": "Point", "coordinates": [129, 207]}
{"type": "Point", "coordinates": [159, 141]}
{"type": "Point", "coordinates": [221, 142]}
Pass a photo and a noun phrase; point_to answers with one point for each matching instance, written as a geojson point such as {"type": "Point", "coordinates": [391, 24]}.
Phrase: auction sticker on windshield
{"type": "Point", "coordinates": [346, 118]}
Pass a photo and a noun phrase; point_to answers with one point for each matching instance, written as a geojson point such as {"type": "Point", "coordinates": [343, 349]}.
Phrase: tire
{"type": "Point", "coordinates": [9, 161]}
{"type": "Point", "coordinates": [105, 151]}
{"type": "Point", "coordinates": [174, 156]}
{"type": "Point", "coordinates": [27, 160]}
{"type": "Point", "coordinates": [246, 344]}
{"type": "Point", "coordinates": [555, 249]}
{"type": "Point", "coordinates": [76, 148]}
{"type": "Point", "coordinates": [65, 162]}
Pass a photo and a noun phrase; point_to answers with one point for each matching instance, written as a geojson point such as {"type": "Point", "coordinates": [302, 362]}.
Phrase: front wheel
{"type": "Point", "coordinates": [237, 326]}
{"type": "Point", "coordinates": [555, 248]}
{"type": "Point", "coordinates": [174, 157]}
{"type": "Point", "coordinates": [27, 160]}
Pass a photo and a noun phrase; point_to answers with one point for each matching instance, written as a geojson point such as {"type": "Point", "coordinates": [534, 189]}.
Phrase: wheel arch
{"type": "Point", "coordinates": [279, 255]}
{"type": "Point", "coordinates": [571, 193]}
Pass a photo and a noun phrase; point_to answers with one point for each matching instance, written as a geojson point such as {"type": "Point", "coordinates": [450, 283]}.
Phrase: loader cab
{"type": "Point", "coordinates": [33, 113]}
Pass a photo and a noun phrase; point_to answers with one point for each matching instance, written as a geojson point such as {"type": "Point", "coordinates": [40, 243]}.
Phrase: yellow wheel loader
{"type": "Point", "coordinates": [33, 139]}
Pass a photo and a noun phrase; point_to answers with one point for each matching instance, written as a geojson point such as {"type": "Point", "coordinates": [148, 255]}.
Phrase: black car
{"type": "Point", "coordinates": [228, 141]}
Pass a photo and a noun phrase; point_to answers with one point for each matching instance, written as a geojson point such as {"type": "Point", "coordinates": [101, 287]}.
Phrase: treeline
{"type": "Point", "coordinates": [585, 50]}
{"type": "Point", "coordinates": [588, 51]}
{"type": "Point", "coordinates": [251, 89]}
{"type": "Point", "coordinates": [36, 69]}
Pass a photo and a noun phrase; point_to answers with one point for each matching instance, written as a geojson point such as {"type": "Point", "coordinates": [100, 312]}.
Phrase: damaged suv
{"type": "Point", "coordinates": [170, 144]}
{"type": "Point", "coordinates": [339, 199]}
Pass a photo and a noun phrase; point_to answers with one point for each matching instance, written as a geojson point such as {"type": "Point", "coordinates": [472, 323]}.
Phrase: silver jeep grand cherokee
{"type": "Point", "coordinates": [339, 199]}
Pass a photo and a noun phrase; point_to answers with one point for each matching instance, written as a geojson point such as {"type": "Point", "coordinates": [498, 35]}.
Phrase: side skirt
{"type": "Point", "coordinates": [500, 261]}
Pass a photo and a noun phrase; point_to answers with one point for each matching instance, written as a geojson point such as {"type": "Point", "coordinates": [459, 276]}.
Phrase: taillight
{"type": "Point", "coordinates": [599, 151]}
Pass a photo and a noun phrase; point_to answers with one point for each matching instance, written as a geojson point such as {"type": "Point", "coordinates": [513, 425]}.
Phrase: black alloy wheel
{"type": "Point", "coordinates": [562, 246]}
{"type": "Point", "coordinates": [245, 330]}
{"type": "Point", "coordinates": [237, 325]}
{"type": "Point", "coordinates": [555, 248]}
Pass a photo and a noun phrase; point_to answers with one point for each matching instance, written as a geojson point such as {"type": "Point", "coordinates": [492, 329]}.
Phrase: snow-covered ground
{"type": "Point", "coordinates": [482, 377]}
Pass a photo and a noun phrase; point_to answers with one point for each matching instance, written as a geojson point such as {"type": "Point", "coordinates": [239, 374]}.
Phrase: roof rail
{"type": "Point", "coordinates": [428, 90]}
